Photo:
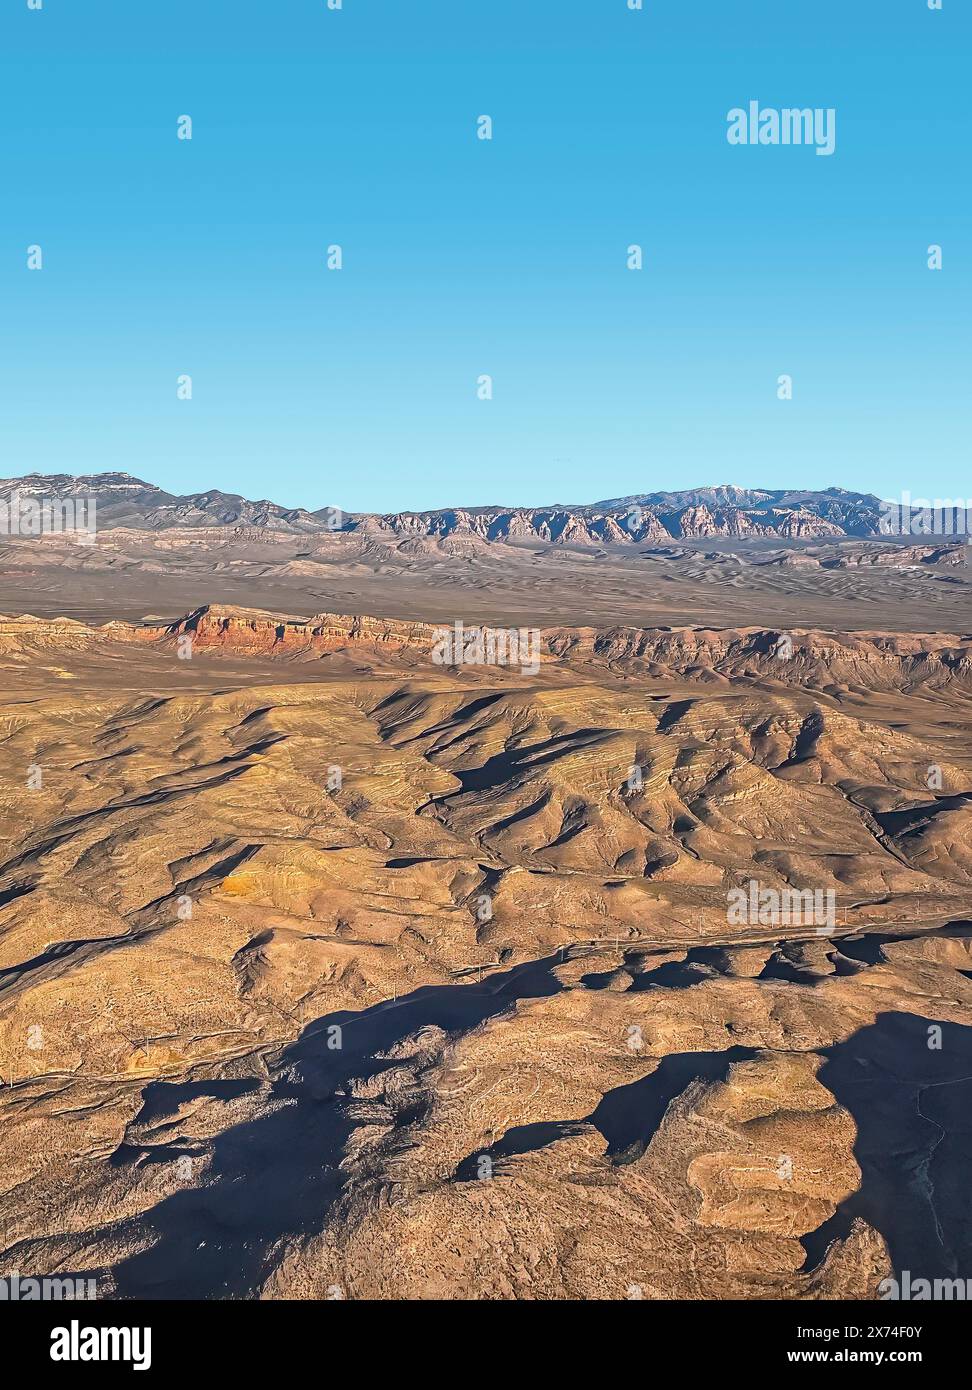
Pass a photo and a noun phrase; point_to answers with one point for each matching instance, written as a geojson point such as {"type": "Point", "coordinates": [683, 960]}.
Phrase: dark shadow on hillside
{"type": "Point", "coordinates": [912, 1105]}
{"type": "Point", "coordinates": [278, 1176]}
{"type": "Point", "coordinates": [627, 1117]}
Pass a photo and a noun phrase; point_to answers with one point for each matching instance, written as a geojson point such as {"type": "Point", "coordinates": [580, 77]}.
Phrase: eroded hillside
{"type": "Point", "coordinates": [328, 970]}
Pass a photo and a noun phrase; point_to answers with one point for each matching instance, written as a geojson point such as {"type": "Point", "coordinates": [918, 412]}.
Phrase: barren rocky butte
{"type": "Point", "coordinates": [329, 971]}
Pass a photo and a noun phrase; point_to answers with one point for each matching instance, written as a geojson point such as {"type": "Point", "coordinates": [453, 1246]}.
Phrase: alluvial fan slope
{"type": "Point", "coordinates": [327, 971]}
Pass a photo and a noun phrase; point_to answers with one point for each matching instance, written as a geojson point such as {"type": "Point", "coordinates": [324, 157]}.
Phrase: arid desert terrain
{"type": "Point", "coordinates": [330, 970]}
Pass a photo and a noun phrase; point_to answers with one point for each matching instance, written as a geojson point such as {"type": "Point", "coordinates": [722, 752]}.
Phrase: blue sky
{"type": "Point", "coordinates": [463, 257]}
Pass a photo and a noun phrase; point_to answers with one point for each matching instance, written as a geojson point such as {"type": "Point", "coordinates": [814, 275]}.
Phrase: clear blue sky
{"type": "Point", "coordinates": [464, 257]}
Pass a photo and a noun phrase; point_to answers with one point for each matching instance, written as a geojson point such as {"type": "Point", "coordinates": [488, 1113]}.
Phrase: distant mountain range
{"type": "Point", "coordinates": [696, 513]}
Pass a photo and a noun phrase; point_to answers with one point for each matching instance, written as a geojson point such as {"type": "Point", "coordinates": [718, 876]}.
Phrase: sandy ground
{"type": "Point", "coordinates": [132, 575]}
